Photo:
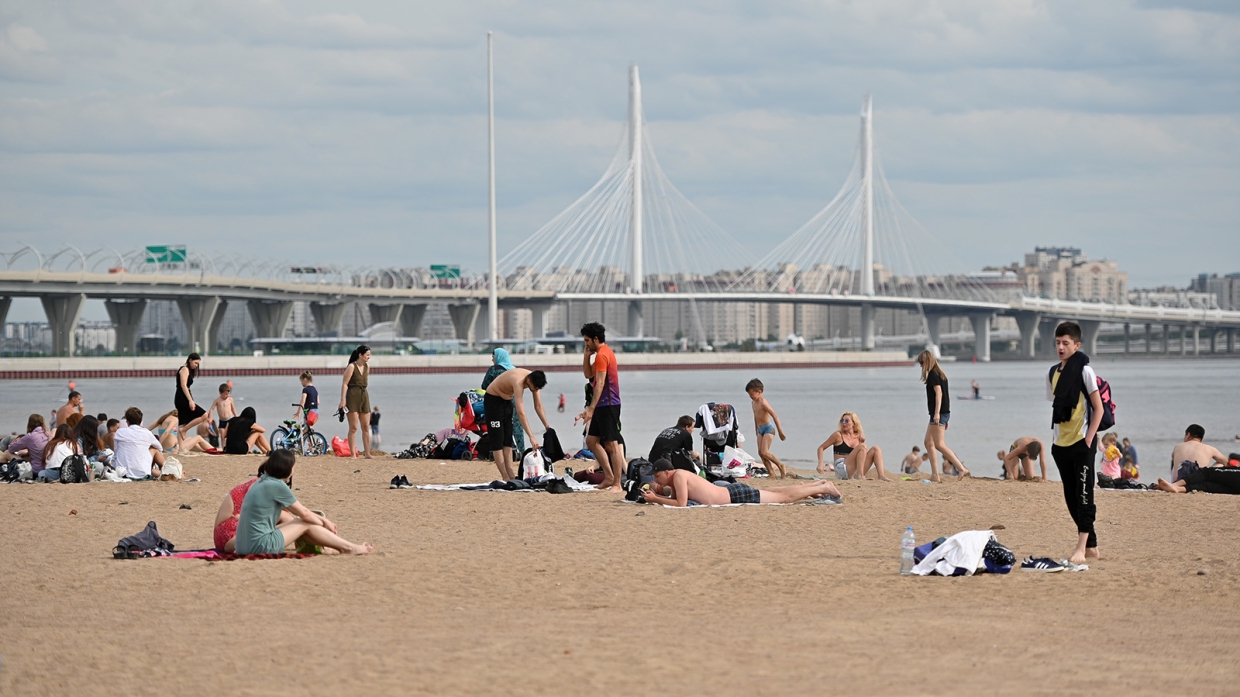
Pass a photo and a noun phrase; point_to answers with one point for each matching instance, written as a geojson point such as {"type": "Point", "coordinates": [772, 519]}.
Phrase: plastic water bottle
{"type": "Point", "coordinates": [907, 545]}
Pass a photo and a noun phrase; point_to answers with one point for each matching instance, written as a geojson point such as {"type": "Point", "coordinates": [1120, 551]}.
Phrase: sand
{"type": "Point", "coordinates": [508, 593]}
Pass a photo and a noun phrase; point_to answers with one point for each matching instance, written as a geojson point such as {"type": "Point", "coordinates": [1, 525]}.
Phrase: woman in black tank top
{"type": "Point", "coordinates": [189, 414]}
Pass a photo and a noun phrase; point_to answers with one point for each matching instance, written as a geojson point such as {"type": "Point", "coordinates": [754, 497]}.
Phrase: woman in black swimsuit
{"type": "Point", "coordinates": [848, 444]}
{"type": "Point", "coordinates": [189, 414]}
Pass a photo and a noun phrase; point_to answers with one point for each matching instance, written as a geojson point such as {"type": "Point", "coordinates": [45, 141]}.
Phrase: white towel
{"type": "Point", "coordinates": [960, 551]}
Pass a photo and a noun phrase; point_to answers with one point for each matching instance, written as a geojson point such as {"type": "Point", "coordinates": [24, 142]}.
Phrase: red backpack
{"type": "Point", "coordinates": [1108, 406]}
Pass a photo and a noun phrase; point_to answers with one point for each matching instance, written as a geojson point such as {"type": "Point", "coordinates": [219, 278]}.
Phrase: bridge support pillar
{"type": "Point", "coordinates": [540, 320]}
{"type": "Point", "coordinates": [867, 327]}
{"type": "Point", "coordinates": [1089, 335]}
{"type": "Point", "coordinates": [384, 313]}
{"type": "Point", "coordinates": [1046, 332]}
{"type": "Point", "coordinates": [1213, 339]}
{"type": "Point", "coordinates": [1166, 339]}
{"type": "Point", "coordinates": [1231, 340]}
{"type": "Point", "coordinates": [126, 316]}
{"type": "Point", "coordinates": [1127, 338]}
{"type": "Point", "coordinates": [1183, 339]}
{"type": "Point", "coordinates": [981, 335]}
{"type": "Point", "coordinates": [269, 317]}
{"type": "Point", "coordinates": [198, 314]}
{"type": "Point", "coordinates": [327, 317]}
{"type": "Point", "coordinates": [411, 320]}
{"type": "Point", "coordinates": [213, 330]}
{"type": "Point", "coordinates": [1028, 324]}
{"type": "Point", "coordinates": [935, 329]}
{"type": "Point", "coordinates": [1147, 337]}
{"type": "Point", "coordinates": [1196, 340]}
{"type": "Point", "coordinates": [4, 309]}
{"type": "Point", "coordinates": [63, 313]}
{"type": "Point", "coordinates": [636, 321]}
{"type": "Point", "coordinates": [464, 319]}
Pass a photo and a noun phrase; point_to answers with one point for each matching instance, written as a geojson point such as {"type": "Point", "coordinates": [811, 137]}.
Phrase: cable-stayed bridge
{"type": "Point", "coordinates": [633, 238]}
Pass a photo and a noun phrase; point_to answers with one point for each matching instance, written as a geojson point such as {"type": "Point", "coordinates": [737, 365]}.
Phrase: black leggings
{"type": "Point", "coordinates": [1076, 469]}
{"type": "Point", "coordinates": [1214, 480]}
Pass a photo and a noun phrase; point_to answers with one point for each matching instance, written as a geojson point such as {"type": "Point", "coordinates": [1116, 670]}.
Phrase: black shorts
{"type": "Point", "coordinates": [499, 421]}
{"type": "Point", "coordinates": [606, 424]}
{"type": "Point", "coordinates": [743, 493]}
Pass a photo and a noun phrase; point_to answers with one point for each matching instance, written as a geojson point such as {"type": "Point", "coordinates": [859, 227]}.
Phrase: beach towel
{"type": "Point", "coordinates": [695, 504]}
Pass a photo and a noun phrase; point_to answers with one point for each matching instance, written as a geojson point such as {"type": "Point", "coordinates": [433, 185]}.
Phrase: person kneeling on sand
{"type": "Point", "coordinates": [848, 444]}
{"type": "Point", "coordinates": [685, 486]}
{"type": "Point", "coordinates": [1018, 460]}
{"type": "Point", "coordinates": [259, 530]}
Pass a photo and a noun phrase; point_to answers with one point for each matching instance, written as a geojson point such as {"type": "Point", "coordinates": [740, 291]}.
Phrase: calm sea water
{"type": "Point", "coordinates": [1155, 401]}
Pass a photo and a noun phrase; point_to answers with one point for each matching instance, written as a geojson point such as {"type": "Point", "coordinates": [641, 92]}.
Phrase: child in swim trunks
{"type": "Point", "coordinates": [766, 423]}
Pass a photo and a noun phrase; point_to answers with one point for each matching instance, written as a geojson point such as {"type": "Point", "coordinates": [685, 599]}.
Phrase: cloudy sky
{"type": "Point", "coordinates": [320, 132]}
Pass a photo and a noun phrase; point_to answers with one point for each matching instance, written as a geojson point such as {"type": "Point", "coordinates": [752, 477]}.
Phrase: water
{"type": "Point", "coordinates": [1155, 400]}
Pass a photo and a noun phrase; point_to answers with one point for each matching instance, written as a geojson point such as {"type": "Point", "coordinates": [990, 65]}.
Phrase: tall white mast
{"type": "Point", "coordinates": [493, 299]}
{"type": "Point", "coordinates": [636, 274]}
{"type": "Point", "coordinates": [867, 193]}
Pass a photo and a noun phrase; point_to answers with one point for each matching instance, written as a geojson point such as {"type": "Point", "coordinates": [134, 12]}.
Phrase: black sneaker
{"type": "Point", "coordinates": [404, 483]}
{"type": "Point", "coordinates": [395, 483]}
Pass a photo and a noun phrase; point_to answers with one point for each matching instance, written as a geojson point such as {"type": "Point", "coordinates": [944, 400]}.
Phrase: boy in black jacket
{"type": "Point", "coordinates": [1077, 412]}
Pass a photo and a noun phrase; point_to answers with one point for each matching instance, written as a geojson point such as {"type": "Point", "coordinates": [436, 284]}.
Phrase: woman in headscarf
{"type": "Point", "coordinates": [244, 434]}
{"type": "Point", "coordinates": [500, 363]}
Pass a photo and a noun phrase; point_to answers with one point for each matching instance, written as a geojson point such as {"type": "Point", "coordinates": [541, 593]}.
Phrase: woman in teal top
{"type": "Point", "coordinates": [258, 531]}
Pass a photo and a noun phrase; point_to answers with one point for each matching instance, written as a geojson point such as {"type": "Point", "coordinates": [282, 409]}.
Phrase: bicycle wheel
{"type": "Point", "coordinates": [316, 444]}
{"type": "Point", "coordinates": [279, 438]}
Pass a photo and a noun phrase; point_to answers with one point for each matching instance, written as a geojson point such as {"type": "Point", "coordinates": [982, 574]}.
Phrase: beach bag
{"type": "Point", "coordinates": [638, 474]}
{"type": "Point", "coordinates": [551, 446]}
{"type": "Point", "coordinates": [733, 463]}
{"type": "Point", "coordinates": [533, 464]}
{"type": "Point", "coordinates": [1108, 406]}
{"type": "Point", "coordinates": [341, 447]}
{"type": "Point", "coordinates": [74, 470]}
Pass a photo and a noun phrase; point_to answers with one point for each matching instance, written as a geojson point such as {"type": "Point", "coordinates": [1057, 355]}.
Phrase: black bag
{"type": "Point", "coordinates": [998, 554]}
{"type": "Point", "coordinates": [551, 446]}
{"type": "Point", "coordinates": [683, 460]}
{"type": "Point", "coordinates": [74, 470]}
{"type": "Point", "coordinates": [638, 474]}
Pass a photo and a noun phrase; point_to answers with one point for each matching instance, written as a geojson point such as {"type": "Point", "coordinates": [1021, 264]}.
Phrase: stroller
{"type": "Point", "coordinates": [717, 423]}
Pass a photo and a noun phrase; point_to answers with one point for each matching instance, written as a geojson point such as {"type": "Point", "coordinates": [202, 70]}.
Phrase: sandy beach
{"type": "Point", "coordinates": [532, 593]}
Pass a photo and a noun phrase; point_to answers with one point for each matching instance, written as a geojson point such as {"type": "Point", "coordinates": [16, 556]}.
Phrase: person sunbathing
{"type": "Point", "coordinates": [849, 448]}
{"type": "Point", "coordinates": [683, 486]}
{"type": "Point", "coordinates": [259, 526]}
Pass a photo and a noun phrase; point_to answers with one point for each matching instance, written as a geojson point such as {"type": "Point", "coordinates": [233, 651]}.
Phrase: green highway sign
{"type": "Point", "coordinates": [164, 254]}
{"type": "Point", "coordinates": [445, 271]}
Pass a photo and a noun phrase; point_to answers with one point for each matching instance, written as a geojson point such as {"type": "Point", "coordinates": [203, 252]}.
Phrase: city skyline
{"type": "Point", "coordinates": [1108, 128]}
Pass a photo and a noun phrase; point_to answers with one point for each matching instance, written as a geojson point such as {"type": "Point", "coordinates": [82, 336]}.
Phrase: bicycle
{"type": "Point", "coordinates": [299, 437]}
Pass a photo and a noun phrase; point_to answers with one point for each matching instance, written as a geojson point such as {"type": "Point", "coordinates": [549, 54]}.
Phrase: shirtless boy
{"type": "Point", "coordinates": [686, 486]}
{"type": "Point", "coordinates": [224, 409]}
{"type": "Point", "coordinates": [1020, 457]}
{"type": "Point", "coordinates": [503, 393]}
{"type": "Point", "coordinates": [911, 464]}
{"type": "Point", "coordinates": [766, 423]}
{"type": "Point", "coordinates": [71, 407]}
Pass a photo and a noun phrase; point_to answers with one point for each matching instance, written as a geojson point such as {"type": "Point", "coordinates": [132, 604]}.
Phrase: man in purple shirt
{"type": "Point", "coordinates": [34, 442]}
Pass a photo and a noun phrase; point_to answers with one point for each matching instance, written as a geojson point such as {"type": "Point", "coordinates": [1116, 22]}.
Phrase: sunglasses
{"type": "Point", "coordinates": [845, 421]}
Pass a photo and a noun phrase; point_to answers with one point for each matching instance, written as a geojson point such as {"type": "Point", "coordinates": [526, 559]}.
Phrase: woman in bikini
{"type": "Point", "coordinates": [353, 395]}
{"type": "Point", "coordinates": [853, 458]}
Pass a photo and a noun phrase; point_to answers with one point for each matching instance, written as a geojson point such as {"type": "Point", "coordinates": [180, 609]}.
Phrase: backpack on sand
{"type": "Point", "coordinates": [74, 470]}
{"type": "Point", "coordinates": [638, 474]}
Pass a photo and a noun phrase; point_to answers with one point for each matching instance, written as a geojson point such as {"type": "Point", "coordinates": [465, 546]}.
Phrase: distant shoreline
{"type": "Point", "coordinates": [250, 366]}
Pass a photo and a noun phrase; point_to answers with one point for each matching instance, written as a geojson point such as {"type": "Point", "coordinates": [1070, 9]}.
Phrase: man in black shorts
{"type": "Point", "coordinates": [502, 394]}
{"type": "Point", "coordinates": [603, 412]}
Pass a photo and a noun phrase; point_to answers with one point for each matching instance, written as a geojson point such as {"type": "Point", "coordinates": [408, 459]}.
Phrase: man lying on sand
{"type": "Point", "coordinates": [1194, 455]}
{"type": "Point", "coordinates": [1193, 451]}
{"type": "Point", "coordinates": [685, 487]}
